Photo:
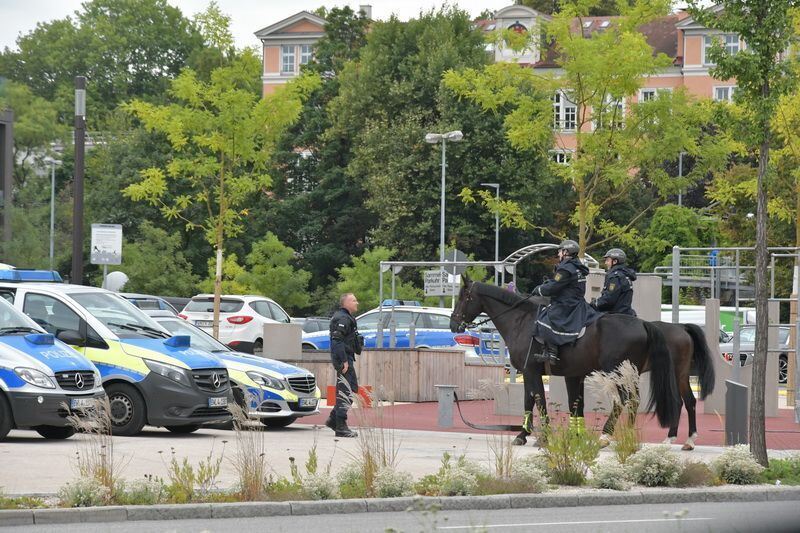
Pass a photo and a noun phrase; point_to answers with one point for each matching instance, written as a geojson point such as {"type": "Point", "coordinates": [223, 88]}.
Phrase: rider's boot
{"type": "Point", "coordinates": [549, 354]}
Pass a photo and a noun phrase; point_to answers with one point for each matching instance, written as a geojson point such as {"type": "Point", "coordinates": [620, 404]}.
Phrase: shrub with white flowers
{"type": "Point", "coordinates": [390, 483]}
{"type": "Point", "coordinates": [320, 486]}
{"type": "Point", "coordinates": [654, 466]}
{"type": "Point", "coordinates": [736, 465]}
{"type": "Point", "coordinates": [611, 474]}
{"type": "Point", "coordinates": [528, 470]}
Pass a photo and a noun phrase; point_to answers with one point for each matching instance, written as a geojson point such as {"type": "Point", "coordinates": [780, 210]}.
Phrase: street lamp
{"type": "Point", "coordinates": [433, 138]}
{"type": "Point", "coordinates": [496, 187]}
{"type": "Point", "coordinates": [52, 162]}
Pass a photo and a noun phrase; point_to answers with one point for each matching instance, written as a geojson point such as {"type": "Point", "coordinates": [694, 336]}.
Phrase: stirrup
{"type": "Point", "coordinates": [546, 356]}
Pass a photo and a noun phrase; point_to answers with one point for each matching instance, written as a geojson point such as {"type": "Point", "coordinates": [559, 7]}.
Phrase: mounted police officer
{"type": "Point", "coordinates": [561, 322]}
{"type": "Point", "coordinates": [617, 292]}
{"type": "Point", "coordinates": [346, 342]}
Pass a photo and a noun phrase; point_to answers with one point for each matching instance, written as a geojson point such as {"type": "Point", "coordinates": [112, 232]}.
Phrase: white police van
{"type": "Point", "coordinates": [42, 380]}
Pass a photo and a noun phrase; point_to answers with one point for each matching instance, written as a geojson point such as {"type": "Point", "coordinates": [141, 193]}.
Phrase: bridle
{"type": "Point", "coordinates": [461, 317]}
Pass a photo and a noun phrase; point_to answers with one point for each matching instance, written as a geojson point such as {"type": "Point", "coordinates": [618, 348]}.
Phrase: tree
{"type": "Point", "coordinates": [35, 127]}
{"type": "Point", "coordinates": [619, 148]}
{"type": "Point", "coordinates": [126, 48]}
{"type": "Point", "coordinates": [550, 7]}
{"type": "Point", "coordinates": [763, 74]}
{"type": "Point", "coordinates": [673, 225]}
{"type": "Point", "coordinates": [222, 136]}
{"type": "Point", "coordinates": [170, 277]}
{"type": "Point", "coordinates": [360, 279]}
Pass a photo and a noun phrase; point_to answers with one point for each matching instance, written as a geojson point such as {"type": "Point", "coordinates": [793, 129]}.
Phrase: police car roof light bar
{"type": "Point", "coordinates": [22, 275]}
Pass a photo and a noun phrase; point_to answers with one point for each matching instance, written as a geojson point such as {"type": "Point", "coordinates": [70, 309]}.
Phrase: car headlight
{"type": "Point", "coordinates": [266, 381]}
{"type": "Point", "coordinates": [172, 372]}
{"type": "Point", "coordinates": [35, 377]}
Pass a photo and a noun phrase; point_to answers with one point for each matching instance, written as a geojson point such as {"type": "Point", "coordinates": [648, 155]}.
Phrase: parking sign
{"type": "Point", "coordinates": [106, 244]}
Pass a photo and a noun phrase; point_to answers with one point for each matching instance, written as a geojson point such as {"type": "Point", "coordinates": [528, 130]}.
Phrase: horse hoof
{"type": "Point", "coordinates": [669, 440]}
{"type": "Point", "coordinates": [687, 447]}
{"type": "Point", "coordinates": [605, 441]}
{"type": "Point", "coordinates": [519, 441]}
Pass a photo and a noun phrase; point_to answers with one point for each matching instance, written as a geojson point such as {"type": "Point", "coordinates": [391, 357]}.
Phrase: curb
{"type": "Point", "coordinates": [580, 497]}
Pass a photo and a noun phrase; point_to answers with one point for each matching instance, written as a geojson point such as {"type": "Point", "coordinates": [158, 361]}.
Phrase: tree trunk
{"type": "Point", "coordinates": [217, 286]}
{"type": "Point", "coordinates": [758, 441]}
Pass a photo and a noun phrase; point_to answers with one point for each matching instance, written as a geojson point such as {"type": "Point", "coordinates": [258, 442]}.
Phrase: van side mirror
{"type": "Point", "coordinates": [71, 337]}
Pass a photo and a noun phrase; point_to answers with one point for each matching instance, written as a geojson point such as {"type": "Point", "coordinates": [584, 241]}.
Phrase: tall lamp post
{"type": "Point", "coordinates": [496, 187]}
{"type": "Point", "coordinates": [433, 138]}
{"type": "Point", "coordinates": [52, 162]}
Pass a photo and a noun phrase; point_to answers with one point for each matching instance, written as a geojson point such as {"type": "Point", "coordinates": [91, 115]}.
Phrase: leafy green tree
{"type": "Point", "coordinates": [615, 144]}
{"type": "Point", "coordinates": [362, 279]}
{"type": "Point", "coordinates": [126, 48]}
{"type": "Point", "coordinates": [271, 273]}
{"type": "Point", "coordinates": [550, 7]}
{"type": "Point", "coordinates": [35, 127]}
{"type": "Point", "coordinates": [318, 209]}
{"type": "Point", "coordinates": [222, 135]}
{"type": "Point", "coordinates": [232, 273]}
{"type": "Point", "coordinates": [763, 74]}
{"type": "Point", "coordinates": [171, 276]}
{"type": "Point", "coordinates": [673, 225]}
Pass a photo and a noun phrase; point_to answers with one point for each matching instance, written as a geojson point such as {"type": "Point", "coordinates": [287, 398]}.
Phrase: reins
{"type": "Point", "coordinates": [472, 325]}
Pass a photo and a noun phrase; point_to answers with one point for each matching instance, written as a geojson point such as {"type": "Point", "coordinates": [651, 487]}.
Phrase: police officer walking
{"type": "Point", "coordinates": [346, 342]}
{"type": "Point", "coordinates": [617, 292]}
{"type": "Point", "coordinates": [561, 322]}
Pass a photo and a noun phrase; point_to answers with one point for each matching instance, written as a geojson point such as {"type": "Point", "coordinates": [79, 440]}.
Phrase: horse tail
{"type": "Point", "coordinates": [702, 358]}
{"type": "Point", "coordinates": [664, 395]}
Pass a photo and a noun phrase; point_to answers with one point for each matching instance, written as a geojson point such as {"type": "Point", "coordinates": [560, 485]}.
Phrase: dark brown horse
{"type": "Point", "coordinates": [606, 343]}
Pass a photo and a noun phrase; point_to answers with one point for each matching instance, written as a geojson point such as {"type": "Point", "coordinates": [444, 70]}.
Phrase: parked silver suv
{"type": "Point", "coordinates": [747, 346]}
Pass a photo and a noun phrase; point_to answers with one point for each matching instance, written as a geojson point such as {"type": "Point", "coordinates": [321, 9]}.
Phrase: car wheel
{"type": "Point", "coordinates": [183, 430]}
{"type": "Point", "coordinates": [280, 422]}
{"type": "Point", "coordinates": [55, 432]}
{"type": "Point", "coordinates": [258, 347]}
{"type": "Point", "coordinates": [127, 409]}
{"type": "Point", "coordinates": [5, 417]}
{"type": "Point", "coordinates": [783, 369]}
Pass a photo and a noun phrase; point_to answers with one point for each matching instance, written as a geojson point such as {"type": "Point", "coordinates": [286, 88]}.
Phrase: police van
{"type": "Point", "coordinates": [42, 380]}
{"type": "Point", "coordinates": [149, 376]}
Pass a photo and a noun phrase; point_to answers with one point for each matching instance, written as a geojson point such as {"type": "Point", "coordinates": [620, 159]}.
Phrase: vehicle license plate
{"type": "Point", "coordinates": [81, 403]}
{"type": "Point", "coordinates": [218, 402]}
{"type": "Point", "coordinates": [203, 323]}
{"type": "Point", "coordinates": [308, 402]}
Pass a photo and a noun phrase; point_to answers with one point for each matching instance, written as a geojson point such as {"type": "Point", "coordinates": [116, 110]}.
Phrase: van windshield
{"type": "Point", "coordinates": [13, 322]}
{"type": "Point", "coordinates": [120, 316]}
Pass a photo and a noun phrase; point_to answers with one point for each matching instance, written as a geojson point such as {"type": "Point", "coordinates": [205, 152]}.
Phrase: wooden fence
{"type": "Point", "coordinates": [406, 375]}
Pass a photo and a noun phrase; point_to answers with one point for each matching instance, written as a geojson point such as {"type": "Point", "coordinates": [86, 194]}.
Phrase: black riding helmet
{"type": "Point", "coordinates": [570, 247]}
{"type": "Point", "coordinates": [616, 253]}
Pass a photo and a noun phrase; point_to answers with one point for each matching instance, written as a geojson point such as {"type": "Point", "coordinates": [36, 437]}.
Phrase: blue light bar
{"type": "Point", "coordinates": [21, 275]}
{"type": "Point", "coordinates": [179, 341]}
{"type": "Point", "coordinates": [391, 303]}
{"type": "Point", "coordinates": [40, 338]}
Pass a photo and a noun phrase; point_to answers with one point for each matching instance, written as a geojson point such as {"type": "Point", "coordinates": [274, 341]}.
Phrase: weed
{"type": "Point", "coordinates": [250, 458]}
{"type": "Point", "coordinates": [145, 491]}
{"type": "Point", "coordinates": [86, 492]}
{"type": "Point", "coordinates": [377, 445]}
{"type": "Point", "coordinates": [696, 474]}
{"type": "Point", "coordinates": [390, 483]}
{"type": "Point", "coordinates": [94, 457]}
{"type": "Point", "coordinates": [20, 502]}
{"type": "Point", "coordinates": [570, 450]}
{"type": "Point", "coordinates": [187, 482]}
{"type": "Point", "coordinates": [786, 471]}
{"type": "Point", "coordinates": [654, 466]}
{"type": "Point", "coordinates": [610, 475]}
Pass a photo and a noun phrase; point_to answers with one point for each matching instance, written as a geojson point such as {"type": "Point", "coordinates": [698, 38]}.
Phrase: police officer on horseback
{"type": "Point", "coordinates": [561, 322]}
{"type": "Point", "coordinates": [617, 292]}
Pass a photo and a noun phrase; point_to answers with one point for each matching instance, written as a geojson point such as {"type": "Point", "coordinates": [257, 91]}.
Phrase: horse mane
{"type": "Point", "coordinates": [505, 296]}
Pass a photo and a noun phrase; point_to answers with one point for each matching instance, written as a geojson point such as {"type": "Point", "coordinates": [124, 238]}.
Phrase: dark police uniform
{"type": "Point", "coordinates": [617, 292]}
{"type": "Point", "coordinates": [345, 344]}
{"type": "Point", "coordinates": [560, 322]}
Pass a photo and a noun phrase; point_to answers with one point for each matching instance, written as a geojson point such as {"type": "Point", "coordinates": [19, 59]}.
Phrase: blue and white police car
{"type": "Point", "coordinates": [42, 380]}
{"type": "Point", "coordinates": [431, 330]}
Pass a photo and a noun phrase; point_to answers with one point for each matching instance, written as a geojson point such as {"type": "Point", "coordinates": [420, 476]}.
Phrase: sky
{"type": "Point", "coordinates": [247, 16]}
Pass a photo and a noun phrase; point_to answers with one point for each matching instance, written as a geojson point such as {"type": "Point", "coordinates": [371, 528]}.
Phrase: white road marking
{"type": "Point", "coordinates": [586, 522]}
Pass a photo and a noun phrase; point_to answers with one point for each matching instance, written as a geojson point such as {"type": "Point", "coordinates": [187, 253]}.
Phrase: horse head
{"type": "Point", "coordinates": [467, 307]}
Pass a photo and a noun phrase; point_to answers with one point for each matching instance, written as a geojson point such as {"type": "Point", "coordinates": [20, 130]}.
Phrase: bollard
{"type": "Point", "coordinates": [736, 410]}
{"type": "Point", "coordinates": [445, 396]}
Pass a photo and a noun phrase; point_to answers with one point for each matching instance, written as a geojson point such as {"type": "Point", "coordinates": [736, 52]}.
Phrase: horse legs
{"type": "Point", "coordinates": [690, 402]}
{"type": "Point", "coordinates": [534, 394]}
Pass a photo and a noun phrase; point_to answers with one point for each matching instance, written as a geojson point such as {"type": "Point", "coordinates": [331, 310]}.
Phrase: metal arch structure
{"type": "Point", "coordinates": [510, 263]}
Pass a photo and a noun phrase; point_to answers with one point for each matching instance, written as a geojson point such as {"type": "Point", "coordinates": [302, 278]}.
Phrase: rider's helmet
{"type": "Point", "coordinates": [570, 247]}
{"type": "Point", "coordinates": [616, 253]}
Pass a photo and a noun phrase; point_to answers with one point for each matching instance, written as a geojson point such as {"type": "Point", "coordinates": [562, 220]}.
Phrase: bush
{"type": "Point", "coordinates": [787, 471]}
{"type": "Point", "coordinates": [351, 481]}
{"type": "Point", "coordinates": [654, 466]}
{"type": "Point", "coordinates": [390, 483]}
{"type": "Point", "coordinates": [696, 474]}
{"type": "Point", "coordinates": [85, 492]}
{"type": "Point", "coordinates": [528, 472]}
{"type": "Point", "coordinates": [610, 474]}
{"type": "Point", "coordinates": [320, 486]}
{"type": "Point", "coordinates": [736, 465]}
{"type": "Point", "coordinates": [146, 491]}
{"type": "Point", "coordinates": [458, 481]}
{"type": "Point", "coordinates": [284, 489]}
